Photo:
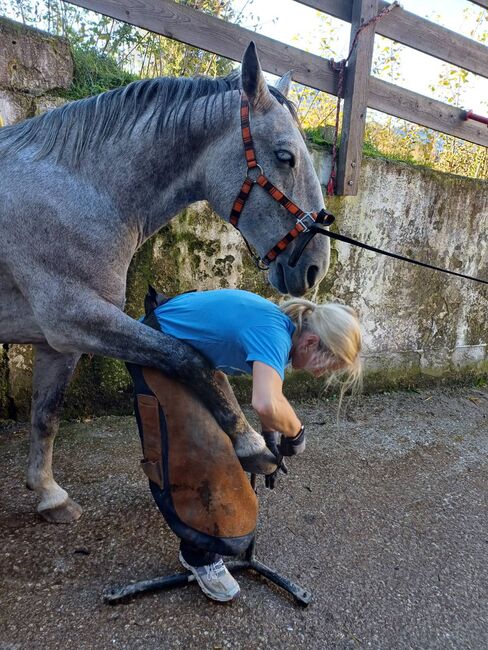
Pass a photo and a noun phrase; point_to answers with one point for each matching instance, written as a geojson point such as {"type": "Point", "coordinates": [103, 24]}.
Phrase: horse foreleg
{"type": "Point", "coordinates": [103, 329]}
{"type": "Point", "coordinates": [52, 374]}
{"type": "Point", "coordinates": [248, 448]}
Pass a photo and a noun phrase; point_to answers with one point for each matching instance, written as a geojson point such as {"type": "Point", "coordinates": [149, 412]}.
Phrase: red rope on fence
{"type": "Point", "coordinates": [341, 67]}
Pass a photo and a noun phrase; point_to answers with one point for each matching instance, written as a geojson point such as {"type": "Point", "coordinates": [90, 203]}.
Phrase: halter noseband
{"type": "Point", "coordinates": [306, 222]}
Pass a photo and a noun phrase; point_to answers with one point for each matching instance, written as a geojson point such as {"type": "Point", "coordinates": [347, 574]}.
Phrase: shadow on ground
{"type": "Point", "coordinates": [384, 519]}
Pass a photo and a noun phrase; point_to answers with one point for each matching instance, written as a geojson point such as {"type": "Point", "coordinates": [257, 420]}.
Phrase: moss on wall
{"type": "Point", "coordinates": [475, 374]}
{"type": "Point", "coordinates": [252, 279]}
{"type": "Point", "coordinates": [100, 386]}
{"type": "Point", "coordinates": [138, 278]}
{"type": "Point", "coordinates": [4, 370]}
{"type": "Point", "coordinates": [300, 386]}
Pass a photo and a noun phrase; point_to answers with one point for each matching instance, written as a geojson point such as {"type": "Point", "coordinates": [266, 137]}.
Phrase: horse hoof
{"type": "Point", "coordinates": [65, 513]}
{"type": "Point", "coordinates": [253, 454]}
{"type": "Point", "coordinates": [263, 462]}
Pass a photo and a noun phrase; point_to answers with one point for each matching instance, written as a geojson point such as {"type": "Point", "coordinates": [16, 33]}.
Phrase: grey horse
{"type": "Point", "coordinates": [83, 186]}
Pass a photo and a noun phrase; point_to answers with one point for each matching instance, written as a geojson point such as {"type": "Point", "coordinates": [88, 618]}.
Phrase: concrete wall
{"type": "Point", "coordinates": [418, 325]}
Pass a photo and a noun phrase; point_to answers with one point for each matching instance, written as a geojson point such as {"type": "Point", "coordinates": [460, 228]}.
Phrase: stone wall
{"type": "Point", "coordinates": [34, 67]}
{"type": "Point", "coordinates": [418, 325]}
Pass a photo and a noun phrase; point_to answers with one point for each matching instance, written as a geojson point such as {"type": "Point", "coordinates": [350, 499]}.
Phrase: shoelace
{"type": "Point", "coordinates": [214, 571]}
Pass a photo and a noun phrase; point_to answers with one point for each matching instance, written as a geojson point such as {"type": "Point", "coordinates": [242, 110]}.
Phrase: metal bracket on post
{"type": "Point", "coordinates": [355, 98]}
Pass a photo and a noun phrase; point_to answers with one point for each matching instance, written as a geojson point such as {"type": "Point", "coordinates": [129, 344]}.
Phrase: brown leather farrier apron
{"type": "Point", "coordinates": [194, 474]}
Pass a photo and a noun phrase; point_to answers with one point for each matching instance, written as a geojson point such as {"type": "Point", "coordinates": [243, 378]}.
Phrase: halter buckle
{"type": "Point", "coordinates": [301, 220]}
{"type": "Point", "coordinates": [259, 171]}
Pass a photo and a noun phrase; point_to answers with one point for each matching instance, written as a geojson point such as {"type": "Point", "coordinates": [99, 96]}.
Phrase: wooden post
{"type": "Point", "coordinates": [356, 98]}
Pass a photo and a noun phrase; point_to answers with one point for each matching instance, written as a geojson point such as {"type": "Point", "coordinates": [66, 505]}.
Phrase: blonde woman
{"type": "Point", "coordinates": [241, 332]}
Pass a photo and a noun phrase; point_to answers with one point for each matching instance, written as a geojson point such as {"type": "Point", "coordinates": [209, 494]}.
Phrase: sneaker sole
{"type": "Point", "coordinates": [208, 593]}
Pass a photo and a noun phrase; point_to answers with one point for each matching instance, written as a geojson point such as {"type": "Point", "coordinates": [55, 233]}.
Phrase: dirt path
{"type": "Point", "coordinates": [384, 520]}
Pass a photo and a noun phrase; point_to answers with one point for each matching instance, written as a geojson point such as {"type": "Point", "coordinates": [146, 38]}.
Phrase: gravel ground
{"type": "Point", "coordinates": [384, 519]}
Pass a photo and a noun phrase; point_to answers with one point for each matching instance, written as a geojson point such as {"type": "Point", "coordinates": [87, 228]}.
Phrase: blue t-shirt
{"type": "Point", "coordinates": [231, 328]}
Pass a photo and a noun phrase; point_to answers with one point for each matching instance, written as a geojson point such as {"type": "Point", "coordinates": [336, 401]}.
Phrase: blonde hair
{"type": "Point", "coordinates": [339, 331]}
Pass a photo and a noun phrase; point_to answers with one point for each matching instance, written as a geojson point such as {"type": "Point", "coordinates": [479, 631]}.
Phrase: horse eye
{"type": "Point", "coordinates": [286, 157]}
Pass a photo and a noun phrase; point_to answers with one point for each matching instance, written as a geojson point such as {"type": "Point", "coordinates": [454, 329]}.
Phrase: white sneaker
{"type": "Point", "coordinates": [215, 580]}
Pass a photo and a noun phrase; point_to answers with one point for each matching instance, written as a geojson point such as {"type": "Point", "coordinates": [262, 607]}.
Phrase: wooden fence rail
{"type": "Point", "coordinates": [416, 32]}
{"type": "Point", "coordinates": [213, 34]}
{"type": "Point", "coordinates": [207, 32]}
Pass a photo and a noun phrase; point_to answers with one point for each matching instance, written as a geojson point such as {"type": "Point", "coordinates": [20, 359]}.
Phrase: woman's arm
{"type": "Point", "coordinates": [272, 407]}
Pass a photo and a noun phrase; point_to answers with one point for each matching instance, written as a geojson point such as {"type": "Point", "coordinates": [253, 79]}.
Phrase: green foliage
{"type": "Point", "coordinates": [393, 138]}
{"type": "Point", "coordinates": [95, 73]}
{"type": "Point", "coordinates": [386, 60]}
{"type": "Point", "coordinates": [404, 141]}
{"type": "Point", "coordinates": [316, 135]}
{"type": "Point", "coordinates": [323, 137]}
{"type": "Point", "coordinates": [481, 382]}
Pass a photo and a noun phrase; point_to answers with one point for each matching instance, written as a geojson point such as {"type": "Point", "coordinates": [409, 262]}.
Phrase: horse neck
{"type": "Point", "coordinates": [148, 180]}
{"type": "Point", "coordinates": [153, 177]}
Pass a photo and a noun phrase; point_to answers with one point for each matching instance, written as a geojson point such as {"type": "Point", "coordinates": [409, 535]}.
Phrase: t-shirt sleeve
{"type": "Point", "coordinates": [270, 345]}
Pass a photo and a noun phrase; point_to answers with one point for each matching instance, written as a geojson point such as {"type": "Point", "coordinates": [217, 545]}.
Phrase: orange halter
{"type": "Point", "coordinates": [303, 219]}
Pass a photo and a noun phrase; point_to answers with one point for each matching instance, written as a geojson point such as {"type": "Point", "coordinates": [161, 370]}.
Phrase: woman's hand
{"type": "Point", "coordinates": [272, 439]}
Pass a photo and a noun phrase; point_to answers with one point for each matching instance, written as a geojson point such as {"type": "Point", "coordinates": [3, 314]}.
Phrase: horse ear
{"type": "Point", "coordinates": [253, 82]}
{"type": "Point", "coordinates": [283, 84]}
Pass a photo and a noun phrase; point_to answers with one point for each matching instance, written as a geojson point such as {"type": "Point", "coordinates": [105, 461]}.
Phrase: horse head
{"type": "Point", "coordinates": [282, 157]}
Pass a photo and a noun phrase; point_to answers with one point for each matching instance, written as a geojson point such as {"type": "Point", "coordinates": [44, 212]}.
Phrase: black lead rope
{"type": "Point", "coordinates": [318, 230]}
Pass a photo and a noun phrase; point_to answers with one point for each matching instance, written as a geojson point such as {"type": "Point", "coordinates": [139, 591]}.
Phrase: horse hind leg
{"type": "Point", "coordinates": [52, 374]}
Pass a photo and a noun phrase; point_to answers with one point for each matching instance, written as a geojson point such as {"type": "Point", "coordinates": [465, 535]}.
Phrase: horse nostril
{"type": "Point", "coordinates": [312, 274]}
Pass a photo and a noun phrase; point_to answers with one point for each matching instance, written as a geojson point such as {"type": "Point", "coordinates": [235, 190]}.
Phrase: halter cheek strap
{"type": "Point", "coordinates": [304, 220]}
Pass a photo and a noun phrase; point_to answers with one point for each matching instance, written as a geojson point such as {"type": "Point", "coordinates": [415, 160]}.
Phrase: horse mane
{"type": "Point", "coordinates": [93, 120]}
